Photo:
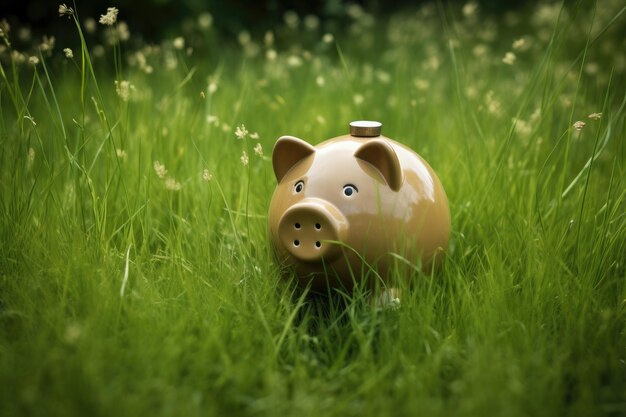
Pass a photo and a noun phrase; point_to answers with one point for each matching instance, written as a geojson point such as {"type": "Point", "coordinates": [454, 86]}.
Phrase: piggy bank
{"type": "Point", "coordinates": [352, 205]}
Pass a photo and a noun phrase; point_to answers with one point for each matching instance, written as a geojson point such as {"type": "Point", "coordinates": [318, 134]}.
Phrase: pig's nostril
{"type": "Point", "coordinates": [318, 226]}
{"type": "Point", "coordinates": [318, 244]}
{"type": "Point", "coordinates": [296, 242]}
{"type": "Point", "coordinates": [297, 225]}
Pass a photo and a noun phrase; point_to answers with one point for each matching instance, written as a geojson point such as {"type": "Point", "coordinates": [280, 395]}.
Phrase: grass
{"type": "Point", "coordinates": [124, 293]}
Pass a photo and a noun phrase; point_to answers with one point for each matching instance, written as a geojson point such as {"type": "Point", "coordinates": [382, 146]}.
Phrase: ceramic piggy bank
{"type": "Point", "coordinates": [349, 204]}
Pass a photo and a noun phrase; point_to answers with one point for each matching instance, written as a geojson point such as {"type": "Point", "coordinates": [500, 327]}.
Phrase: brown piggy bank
{"type": "Point", "coordinates": [346, 206]}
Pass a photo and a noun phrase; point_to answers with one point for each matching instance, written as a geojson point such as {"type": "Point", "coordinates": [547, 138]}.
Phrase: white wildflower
{"type": "Point", "coordinates": [270, 54]}
{"type": "Point", "coordinates": [254, 136]}
{"type": "Point", "coordinates": [18, 57]}
{"type": "Point", "coordinates": [579, 125]}
{"type": "Point", "coordinates": [122, 32]}
{"type": "Point", "coordinates": [320, 119]}
{"type": "Point", "coordinates": [244, 158]}
{"type": "Point", "coordinates": [31, 158]}
{"type": "Point", "coordinates": [509, 58]}
{"type": "Point", "coordinates": [172, 185]}
{"type": "Point", "coordinates": [320, 81]}
{"type": "Point", "coordinates": [522, 127]}
{"type": "Point", "coordinates": [592, 68]}
{"type": "Point", "coordinates": [179, 43]}
{"type": "Point", "coordinates": [24, 34]}
{"type": "Point", "coordinates": [520, 44]}
{"type": "Point", "coordinates": [98, 51]}
{"type": "Point", "coordinates": [212, 87]}
{"type": "Point", "coordinates": [47, 44]}
{"type": "Point", "coordinates": [213, 120]}
{"type": "Point", "coordinates": [355, 11]}
{"type": "Point", "coordinates": [258, 149]}
{"type": "Point", "coordinates": [311, 22]}
{"type": "Point", "coordinates": [480, 50]}
{"type": "Point", "coordinates": [471, 91]}
{"type": "Point", "coordinates": [110, 18]}
{"type": "Point", "coordinates": [421, 84]}
{"type": "Point", "coordinates": [493, 104]}
{"type": "Point", "coordinates": [33, 60]}
{"type": "Point", "coordinates": [470, 9]}
{"type": "Point", "coordinates": [90, 25]}
{"type": "Point", "coordinates": [244, 37]}
{"type": "Point", "coordinates": [294, 61]}
{"type": "Point", "coordinates": [68, 53]}
{"type": "Point", "coordinates": [383, 76]}
{"type": "Point", "coordinates": [123, 89]}
{"type": "Point", "coordinates": [241, 132]}
{"type": "Point", "coordinates": [291, 19]}
{"type": "Point", "coordinates": [205, 20]}
{"type": "Point", "coordinates": [72, 333]}
{"type": "Point", "coordinates": [595, 116]}
{"type": "Point", "coordinates": [4, 33]}
{"type": "Point", "coordinates": [358, 99]}
{"type": "Point", "coordinates": [206, 175]}
{"type": "Point", "coordinates": [159, 169]}
{"type": "Point", "coordinates": [328, 38]}
{"type": "Point", "coordinates": [432, 63]}
{"type": "Point", "coordinates": [121, 154]}
{"type": "Point", "coordinates": [65, 11]}
{"type": "Point", "coordinates": [535, 116]}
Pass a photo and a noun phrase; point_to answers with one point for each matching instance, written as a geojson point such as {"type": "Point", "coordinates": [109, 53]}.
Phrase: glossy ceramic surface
{"type": "Point", "coordinates": [349, 204]}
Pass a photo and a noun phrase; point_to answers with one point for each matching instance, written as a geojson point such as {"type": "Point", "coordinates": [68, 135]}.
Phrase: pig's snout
{"type": "Point", "coordinates": [308, 228]}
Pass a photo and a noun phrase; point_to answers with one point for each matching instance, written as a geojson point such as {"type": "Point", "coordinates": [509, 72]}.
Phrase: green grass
{"type": "Point", "coordinates": [122, 296]}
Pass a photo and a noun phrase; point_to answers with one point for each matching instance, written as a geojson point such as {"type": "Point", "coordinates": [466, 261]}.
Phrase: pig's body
{"type": "Point", "coordinates": [374, 195]}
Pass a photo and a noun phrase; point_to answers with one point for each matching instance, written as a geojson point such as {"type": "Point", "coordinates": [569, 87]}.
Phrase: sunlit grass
{"type": "Point", "coordinates": [136, 275]}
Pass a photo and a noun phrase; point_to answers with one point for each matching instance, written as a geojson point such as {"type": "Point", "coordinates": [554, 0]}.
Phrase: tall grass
{"type": "Point", "coordinates": [136, 274]}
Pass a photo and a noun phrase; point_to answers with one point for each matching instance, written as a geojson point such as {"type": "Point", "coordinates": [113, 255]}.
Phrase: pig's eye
{"type": "Point", "coordinates": [299, 187]}
{"type": "Point", "coordinates": [349, 190]}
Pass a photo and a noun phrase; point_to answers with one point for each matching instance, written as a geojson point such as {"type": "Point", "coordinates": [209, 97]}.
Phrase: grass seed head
{"type": "Point", "coordinates": [179, 43]}
{"type": "Point", "coordinates": [47, 44]}
{"type": "Point", "coordinates": [258, 149]}
{"type": "Point", "coordinates": [65, 11]}
{"type": "Point", "coordinates": [172, 185]}
{"type": "Point", "coordinates": [110, 17]}
{"type": "Point", "coordinates": [159, 169]}
{"type": "Point", "coordinates": [241, 132]}
{"type": "Point", "coordinates": [509, 58]}
{"type": "Point", "coordinates": [90, 25]}
{"type": "Point", "coordinates": [205, 20]}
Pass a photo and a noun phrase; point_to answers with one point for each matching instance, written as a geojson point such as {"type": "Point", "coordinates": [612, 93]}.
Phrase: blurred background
{"type": "Point", "coordinates": [156, 18]}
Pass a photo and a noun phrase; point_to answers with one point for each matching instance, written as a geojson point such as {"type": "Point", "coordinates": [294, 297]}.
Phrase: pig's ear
{"type": "Point", "coordinates": [287, 152]}
{"type": "Point", "coordinates": [381, 156]}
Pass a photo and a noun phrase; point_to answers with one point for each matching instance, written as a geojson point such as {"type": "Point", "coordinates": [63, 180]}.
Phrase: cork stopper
{"type": "Point", "coordinates": [365, 128]}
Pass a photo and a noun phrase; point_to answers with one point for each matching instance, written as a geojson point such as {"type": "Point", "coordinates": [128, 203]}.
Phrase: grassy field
{"type": "Point", "coordinates": [136, 276]}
